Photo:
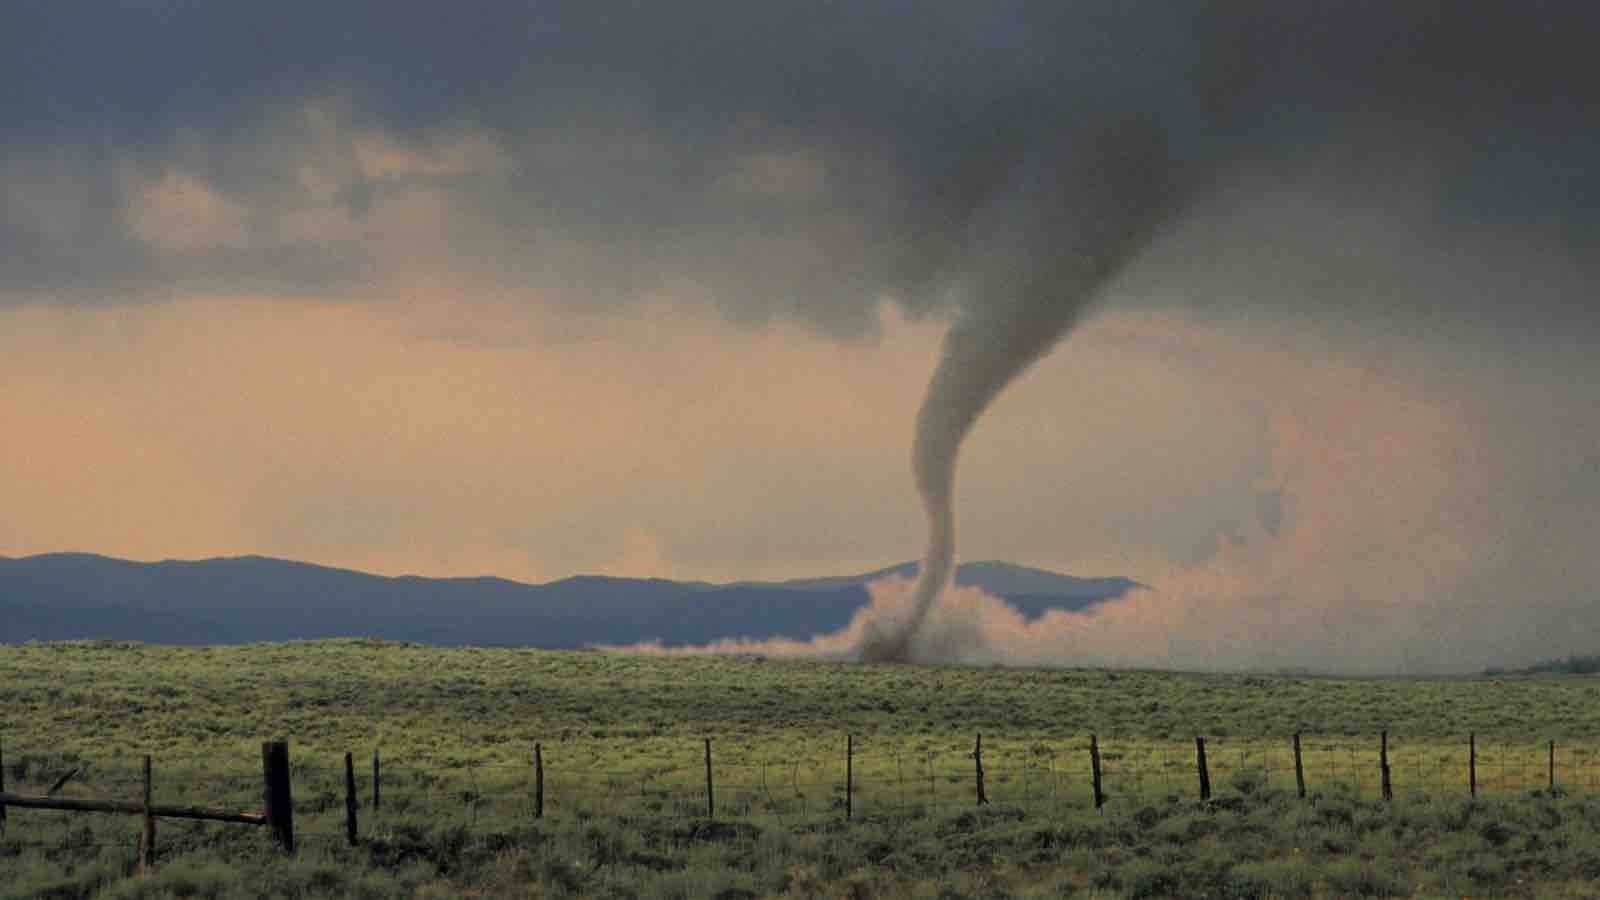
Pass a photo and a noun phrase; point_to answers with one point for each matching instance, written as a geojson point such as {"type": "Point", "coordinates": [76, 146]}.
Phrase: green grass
{"type": "Point", "coordinates": [622, 740]}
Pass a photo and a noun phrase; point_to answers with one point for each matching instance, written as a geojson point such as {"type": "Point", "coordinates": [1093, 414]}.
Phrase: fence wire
{"type": "Point", "coordinates": [881, 777]}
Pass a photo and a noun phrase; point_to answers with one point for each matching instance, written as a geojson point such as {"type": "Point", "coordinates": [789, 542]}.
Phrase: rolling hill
{"type": "Point", "coordinates": [70, 596]}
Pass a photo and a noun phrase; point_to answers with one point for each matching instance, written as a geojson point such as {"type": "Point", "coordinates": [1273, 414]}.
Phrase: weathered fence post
{"type": "Point", "coordinates": [1552, 767]}
{"type": "Point", "coordinates": [977, 762]}
{"type": "Point", "coordinates": [538, 781]}
{"type": "Point", "coordinates": [2, 789]}
{"type": "Point", "coordinates": [1299, 770]}
{"type": "Point", "coordinates": [275, 793]}
{"type": "Point", "coordinates": [711, 805]}
{"type": "Point", "coordinates": [377, 792]}
{"type": "Point", "coordinates": [1200, 762]}
{"type": "Point", "coordinates": [350, 798]}
{"type": "Point", "coordinates": [147, 836]}
{"type": "Point", "coordinates": [1383, 764]}
{"type": "Point", "coordinates": [1094, 763]}
{"type": "Point", "coordinates": [1472, 764]}
{"type": "Point", "coordinates": [849, 774]}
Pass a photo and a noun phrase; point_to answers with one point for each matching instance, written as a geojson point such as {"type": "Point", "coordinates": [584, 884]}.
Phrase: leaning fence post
{"type": "Point", "coordinates": [977, 761]}
{"type": "Point", "coordinates": [276, 794]}
{"type": "Point", "coordinates": [1299, 770]}
{"type": "Point", "coordinates": [1472, 764]}
{"type": "Point", "coordinates": [849, 773]}
{"type": "Point", "coordinates": [1094, 763]}
{"type": "Point", "coordinates": [147, 836]}
{"type": "Point", "coordinates": [376, 791]}
{"type": "Point", "coordinates": [538, 781]}
{"type": "Point", "coordinates": [711, 805]}
{"type": "Point", "coordinates": [350, 798]}
{"type": "Point", "coordinates": [1383, 764]}
{"type": "Point", "coordinates": [1200, 763]}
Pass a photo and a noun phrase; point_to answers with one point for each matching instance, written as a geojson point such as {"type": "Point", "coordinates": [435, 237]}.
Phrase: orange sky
{"type": "Point", "coordinates": [662, 443]}
{"type": "Point", "coordinates": [1305, 507]}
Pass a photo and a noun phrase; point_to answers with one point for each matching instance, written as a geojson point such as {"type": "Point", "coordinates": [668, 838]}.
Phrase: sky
{"type": "Point", "coordinates": [550, 288]}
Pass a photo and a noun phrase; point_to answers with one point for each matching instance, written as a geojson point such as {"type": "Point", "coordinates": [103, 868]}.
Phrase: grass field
{"type": "Point", "coordinates": [623, 744]}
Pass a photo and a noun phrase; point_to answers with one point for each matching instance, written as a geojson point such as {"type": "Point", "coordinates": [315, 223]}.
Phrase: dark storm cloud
{"type": "Point", "coordinates": [912, 113]}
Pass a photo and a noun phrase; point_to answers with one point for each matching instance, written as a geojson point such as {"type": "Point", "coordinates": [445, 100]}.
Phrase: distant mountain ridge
{"type": "Point", "coordinates": [1000, 578]}
{"type": "Point", "coordinates": [71, 596]}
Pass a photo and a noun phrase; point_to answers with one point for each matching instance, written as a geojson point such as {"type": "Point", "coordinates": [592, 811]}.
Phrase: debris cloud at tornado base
{"type": "Point", "coordinates": [966, 626]}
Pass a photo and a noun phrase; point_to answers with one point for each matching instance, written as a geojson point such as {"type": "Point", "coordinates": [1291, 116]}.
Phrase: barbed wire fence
{"type": "Point", "coordinates": [859, 778]}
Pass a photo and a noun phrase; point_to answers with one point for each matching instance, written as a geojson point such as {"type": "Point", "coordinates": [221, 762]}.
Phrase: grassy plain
{"type": "Point", "coordinates": [622, 740]}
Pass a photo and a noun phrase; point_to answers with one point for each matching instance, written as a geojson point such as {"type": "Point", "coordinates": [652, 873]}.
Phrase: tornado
{"type": "Point", "coordinates": [1058, 224]}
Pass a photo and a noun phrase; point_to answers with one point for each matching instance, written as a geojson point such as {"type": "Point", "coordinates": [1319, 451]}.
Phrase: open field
{"type": "Point", "coordinates": [622, 740]}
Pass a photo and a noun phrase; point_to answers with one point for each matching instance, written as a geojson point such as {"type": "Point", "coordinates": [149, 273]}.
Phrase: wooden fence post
{"type": "Point", "coordinates": [711, 805]}
{"type": "Point", "coordinates": [377, 791]}
{"type": "Point", "coordinates": [1552, 767]}
{"type": "Point", "coordinates": [1472, 764]}
{"type": "Point", "coordinates": [1299, 770]}
{"type": "Point", "coordinates": [849, 774]}
{"type": "Point", "coordinates": [1094, 763]}
{"type": "Point", "coordinates": [147, 836]}
{"type": "Point", "coordinates": [977, 761]}
{"type": "Point", "coordinates": [1200, 763]}
{"type": "Point", "coordinates": [538, 780]}
{"type": "Point", "coordinates": [2, 789]}
{"type": "Point", "coordinates": [350, 798]}
{"type": "Point", "coordinates": [276, 795]}
{"type": "Point", "coordinates": [1383, 764]}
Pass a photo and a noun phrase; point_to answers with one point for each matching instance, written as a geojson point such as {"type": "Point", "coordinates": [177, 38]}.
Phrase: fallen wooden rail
{"type": "Point", "coordinates": [133, 807]}
{"type": "Point", "coordinates": [278, 813]}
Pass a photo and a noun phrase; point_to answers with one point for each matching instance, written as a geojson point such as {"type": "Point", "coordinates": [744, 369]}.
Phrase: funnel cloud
{"type": "Point", "coordinates": [1068, 216]}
